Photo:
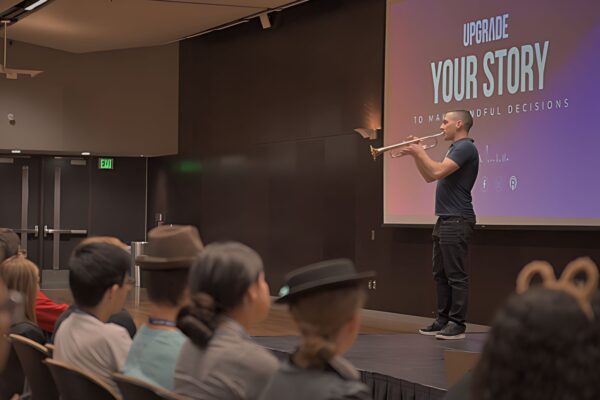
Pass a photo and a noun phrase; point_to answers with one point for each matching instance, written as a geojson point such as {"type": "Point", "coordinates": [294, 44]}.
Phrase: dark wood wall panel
{"type": "Point", "coordinates": [117, 199]}
{"type": "Point", "coordinates": [268, 156]}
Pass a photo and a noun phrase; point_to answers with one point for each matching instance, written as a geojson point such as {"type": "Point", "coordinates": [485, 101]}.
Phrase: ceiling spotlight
{"type": "Point", "coordinates": [85, 153]}
{"type": "Point", "coordinates": [16, 151]}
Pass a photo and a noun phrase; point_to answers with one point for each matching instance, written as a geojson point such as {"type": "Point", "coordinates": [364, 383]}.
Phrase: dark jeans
{"type": "Point", "coordinates": [451, 237]}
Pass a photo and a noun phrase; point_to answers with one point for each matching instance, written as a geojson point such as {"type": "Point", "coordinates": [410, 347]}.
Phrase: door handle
{"type": "Point", "coordinates": [35, 230]}
{"type": "Point", "coordinates": [51, 231]}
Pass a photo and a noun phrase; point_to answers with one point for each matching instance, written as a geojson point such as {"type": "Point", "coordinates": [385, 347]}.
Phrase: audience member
{"type": "Point", "coordinates": [21, 275]}
{"type": "Point", "coordinates": [46, 310]}
{"type": "Point", "coordinates": [6, 307]}
{"type": "Point", "coordinates": [229, 295]}
{"type": "Point", "coordinates": [325, 301]}
{"type": "Point", "coordinates": [123, 317]}
{"type": "Point", "coordinates": [170, 252]}
{"type": "Point", "coordinates": [544, 342]}
{"type": "Point", "coordinates": [9, 243]}
{"type": "Point", "coordinates": [99, 282]}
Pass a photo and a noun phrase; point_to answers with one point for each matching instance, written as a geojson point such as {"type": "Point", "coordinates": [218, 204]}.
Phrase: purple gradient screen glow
{"type": "Point", "coordinates": [539, 160]}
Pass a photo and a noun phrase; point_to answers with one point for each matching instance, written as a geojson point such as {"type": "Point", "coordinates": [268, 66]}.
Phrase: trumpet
{"type": "Point", "coordinates": [377, 151]}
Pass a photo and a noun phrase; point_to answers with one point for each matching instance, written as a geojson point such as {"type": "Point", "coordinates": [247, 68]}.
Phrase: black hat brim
{"type": "Point", "coordinates": [308, 287]}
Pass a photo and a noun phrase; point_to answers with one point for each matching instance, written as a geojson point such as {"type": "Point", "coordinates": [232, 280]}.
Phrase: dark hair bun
{"type": "Point", "coordinates": [198, 320]}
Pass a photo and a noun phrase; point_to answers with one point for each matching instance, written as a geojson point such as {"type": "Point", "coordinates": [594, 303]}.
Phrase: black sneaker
{"type": "Point", "coordinates": [432, 329]}
{"type": "Point", "coordinates": [452, 331]}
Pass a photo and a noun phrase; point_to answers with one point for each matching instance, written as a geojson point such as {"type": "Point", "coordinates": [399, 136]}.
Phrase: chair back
{"type": "Point", "coordinates": [136, 389]}
{"type": "Point", "coordinates": [31, 354]}
{"type": "Point", "coordinates": [75, 384]}
{"type": "Point", "coordinates": [458, 363]}
{"type": "Point", "coordinates": [12, 378]}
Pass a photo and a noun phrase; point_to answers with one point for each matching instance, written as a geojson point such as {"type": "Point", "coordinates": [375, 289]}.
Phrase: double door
{"type": "Point", "coordinates": [46, 201]}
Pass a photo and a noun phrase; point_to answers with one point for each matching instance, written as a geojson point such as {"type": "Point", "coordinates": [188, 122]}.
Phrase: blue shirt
{"type": "Point", "coordinates": [453, 193]}
{"type": "Point", "coordinates": [153, 356]}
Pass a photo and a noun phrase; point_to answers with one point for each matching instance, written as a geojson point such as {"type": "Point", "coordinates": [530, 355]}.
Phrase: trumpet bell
{"type": "Point", "coordinates": [374, 152]}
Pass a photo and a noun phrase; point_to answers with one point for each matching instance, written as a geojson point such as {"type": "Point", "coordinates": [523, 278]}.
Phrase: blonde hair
{"type": "Point", "coordinates": [22, 275]}
{"type": "Point", "coordinates": [320, 317]}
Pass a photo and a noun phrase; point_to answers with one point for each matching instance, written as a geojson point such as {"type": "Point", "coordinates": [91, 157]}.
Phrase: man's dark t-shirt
{"type": "Point", "coordinates": [453, 193]}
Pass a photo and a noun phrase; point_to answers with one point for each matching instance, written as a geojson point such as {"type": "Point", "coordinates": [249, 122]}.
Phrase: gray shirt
{"type": "Point", "coordinates": [96, 347]}
{"type": "Point", "coordinates": [232, 366]}
{"type": "Point", "coordinates": [338, 380]}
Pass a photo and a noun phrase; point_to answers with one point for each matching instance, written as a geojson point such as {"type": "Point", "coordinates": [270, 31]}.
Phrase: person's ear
{"type": "Point", "coordinates": [355, 321]}
{"type": "Point", "coordinates": [252, 292]}
{"type": "Point", "coordinates": [113, 290]}
{"type": "Point", "coordinates": [185, 296]}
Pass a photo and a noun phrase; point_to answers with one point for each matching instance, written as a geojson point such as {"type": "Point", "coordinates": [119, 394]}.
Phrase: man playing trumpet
{"type": "Point", "coordinates": [455, 177]}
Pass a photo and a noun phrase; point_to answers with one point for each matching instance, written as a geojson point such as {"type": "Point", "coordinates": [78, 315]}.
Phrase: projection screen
{"type": "Point", "coordinates": [528, 71]}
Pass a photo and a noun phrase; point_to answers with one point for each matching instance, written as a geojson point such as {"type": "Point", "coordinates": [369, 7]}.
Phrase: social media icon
{"type": "Point", "coordinates": [512, 183]}
{"type": "Point", "coordinates": [498, 184]}
{"type": "Point", "coordinates": [484, 184]}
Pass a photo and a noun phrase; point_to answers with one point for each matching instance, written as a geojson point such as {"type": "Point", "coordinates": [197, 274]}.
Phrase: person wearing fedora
{"type": "Point", "coordinates": [325, 301]}
{"type": "Point", "coordinates": [229, 295]}
{"type": "Point", "coordinates": [171, 250]}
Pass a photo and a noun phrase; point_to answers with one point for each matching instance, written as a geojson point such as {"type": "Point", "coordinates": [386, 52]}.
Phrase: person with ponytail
{"type": "Point", "coordinates": [229, 295]}
{"type": "Point", "coordinates": [325, 301]}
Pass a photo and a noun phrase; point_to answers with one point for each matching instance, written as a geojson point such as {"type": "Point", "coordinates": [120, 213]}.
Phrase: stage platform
{"type": "Point", "coordinates": [396, 366]}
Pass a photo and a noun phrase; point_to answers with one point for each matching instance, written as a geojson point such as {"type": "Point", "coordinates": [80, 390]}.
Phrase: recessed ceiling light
{"type": "Point", "coordinates": [85, 153]}
{"type": "Point", "coordinates": [15, 151]}
{"type": "Point", "coordinates": [35, 5]}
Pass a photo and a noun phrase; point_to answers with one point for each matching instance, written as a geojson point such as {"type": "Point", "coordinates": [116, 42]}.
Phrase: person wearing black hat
{"type": "Point", "coordinates": [325, 301]}
{"type": "Point", "coordinates": [229, 296]}
{"type": "Point", "coordinates": [171, 251]}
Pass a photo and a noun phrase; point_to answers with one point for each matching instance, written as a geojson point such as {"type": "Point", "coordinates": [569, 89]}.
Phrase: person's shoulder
{"type": "Point", "coordinates": [113, 330]}
{"type": "Point", "coordinates": [333, 383]}
{"type": "Point", "coordinates": [254, 355]}
{"type": "Point", "coordinates": [348, 384]}
{"type": "Point", "coordinates": [28, 330]}
{"type": "Point", "coordinates": [160, 337]}
{"type": "Point", "coordinates": [467, 142]}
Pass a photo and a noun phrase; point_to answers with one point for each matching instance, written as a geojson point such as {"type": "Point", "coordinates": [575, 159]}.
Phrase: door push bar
{"type": "Point", "coordinates": [35, 230]}
{"type": "Point", "coordinates": [50, 231]}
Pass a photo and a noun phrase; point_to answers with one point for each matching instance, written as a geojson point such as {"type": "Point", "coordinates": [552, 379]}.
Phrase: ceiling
{"type": "Point", "coordinates": [82, 26]}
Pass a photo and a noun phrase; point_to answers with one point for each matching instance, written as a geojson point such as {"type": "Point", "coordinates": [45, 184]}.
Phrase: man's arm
{"type": "Point", "coordinates": [430, 170]}
{"type": "Point", "coordinates": [433, 170]}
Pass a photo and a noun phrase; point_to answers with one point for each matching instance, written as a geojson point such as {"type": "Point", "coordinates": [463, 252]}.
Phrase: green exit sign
{"type": "Point", "coordinates": [105, 163]}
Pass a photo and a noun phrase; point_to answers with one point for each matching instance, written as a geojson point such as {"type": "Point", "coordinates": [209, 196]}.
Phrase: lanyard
{"type": "Point", "coordinates": [162, 322]}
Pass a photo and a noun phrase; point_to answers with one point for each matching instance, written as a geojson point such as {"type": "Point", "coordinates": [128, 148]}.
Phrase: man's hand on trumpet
{"type": "Point", "coordinates": [412, 149]}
